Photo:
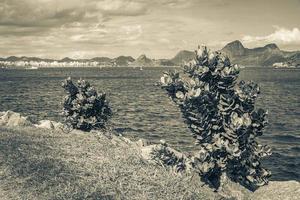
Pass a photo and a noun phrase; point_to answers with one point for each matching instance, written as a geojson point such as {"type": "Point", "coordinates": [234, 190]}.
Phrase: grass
{"type": "Point", "coordinates": [43, 164]}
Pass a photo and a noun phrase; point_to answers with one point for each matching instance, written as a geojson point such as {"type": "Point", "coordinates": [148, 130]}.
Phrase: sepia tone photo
{"type": "Point", "coordinates": [158, 100]}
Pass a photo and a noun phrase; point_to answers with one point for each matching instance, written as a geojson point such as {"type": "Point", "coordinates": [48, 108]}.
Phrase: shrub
{"type": "Point", "coordinates": [83, 107]}
{"type": "Point", "coordinates": [221, 115]}
{"type": "Point", "coordinates": [164, 155]}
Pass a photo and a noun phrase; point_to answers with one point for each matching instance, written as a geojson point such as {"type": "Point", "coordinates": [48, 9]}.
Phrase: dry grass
{"type": "Point", "coordinates": [41, 164]}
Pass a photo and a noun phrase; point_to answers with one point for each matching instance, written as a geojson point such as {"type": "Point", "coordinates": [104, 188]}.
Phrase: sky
{"type": "Point", "coordinates": [157, 28]}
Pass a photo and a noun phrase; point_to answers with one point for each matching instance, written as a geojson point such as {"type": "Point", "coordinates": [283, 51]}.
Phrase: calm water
{"type": "Point", "coordinates": [142, 110]}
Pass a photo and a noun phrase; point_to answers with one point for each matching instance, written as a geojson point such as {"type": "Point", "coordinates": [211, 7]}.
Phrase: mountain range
{"type": "Point", "coordinates": [238, 54]}
{"type": "Point", "coordinates": [260, 56]}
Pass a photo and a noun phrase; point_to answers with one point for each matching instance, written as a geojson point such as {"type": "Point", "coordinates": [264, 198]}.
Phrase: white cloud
{"type": "Point", "coordinates": [164, 40]}
{"type": "Point", "coordinates": [122, 7]}
{"type": "Point", "coordinates": [128, 33]}
{"type": "Point", "coordinates": [280, 35]}
{"type": "Point", "coordinates": [130, 29]}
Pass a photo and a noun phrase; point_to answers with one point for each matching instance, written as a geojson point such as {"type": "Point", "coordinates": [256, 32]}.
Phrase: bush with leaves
{"type": "Point", "coordinates": [221, 115]}
{"type": "Point", "coordinates": [83, 107]}
{"type": "Point", "coordinates": [166, 156]}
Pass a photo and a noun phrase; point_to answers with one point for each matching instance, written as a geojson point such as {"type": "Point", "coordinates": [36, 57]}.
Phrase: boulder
{"type": "Point", "coordinates": [278, 190]}
{"type": "Point", "coordinates": [142, 143]}
{"type": "Point", "coordinates": [47, 124]}
{"type": "Point", "coordinates": [274, 190]}
{"type": "Point", "coordinates": [57, 125]}
{"type": "Point", "coordinates": [233, 190]}
{"type": "Point", "coordinates": [10, 118]}
{"type": "Point", "coordinates": [146, 152]}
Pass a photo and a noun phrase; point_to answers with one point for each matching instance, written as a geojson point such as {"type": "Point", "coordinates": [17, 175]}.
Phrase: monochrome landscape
{"type": "Point", "coordinates": [134, 99]}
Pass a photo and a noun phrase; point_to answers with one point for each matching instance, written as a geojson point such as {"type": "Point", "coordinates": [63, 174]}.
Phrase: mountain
{"type": "Point", "coordinates": [234, 48]}
{"type": "Point", "coordinates": [238, 54]}
{"type": "Point", "coordinates": [67, 59]}
{"type": "Point", "coordinates": [260, 56]}
{"type": "Point", "coordinates": [295, 59]}
{"type": "Point", "coordinates": [182, 57]}
{"type": "Point", "coordinates": [102, 59]}
{"type": "Point", "coordinates": [13, 58]}
{"type": "Point", "coordinates": [143, 61]}
{"type": "Point", "coordinates": [123, 61]}
{"type": "Point", "coordinates": [24, 58]}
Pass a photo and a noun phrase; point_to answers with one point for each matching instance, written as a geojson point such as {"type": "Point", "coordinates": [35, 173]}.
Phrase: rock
{"type": "Point", "coordinates": [142, 143]}
{"type": "Point", "coordinates": [10, 118]}
{"type": "Point", "coordinates": [278, 190]}
{"type": "Point", "coordinates": [275, 190]}
{"type": "Point", "coordinates": [57, 125]}
{"type": "Point", "coordinates": [48, 124]}
{"type": "Point", "coordinates": [163, 142]}
{"type": "Point", "coordinates": [146, 152]}
{"type": "Point", "coordinates": [233, 191]}
{"type": "Point", "coordinates": [126, 140]}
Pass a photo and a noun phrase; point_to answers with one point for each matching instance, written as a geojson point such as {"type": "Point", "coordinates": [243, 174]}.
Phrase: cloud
{"type": "Point", "coordinates": [55, 13]}
{"type": "Point", "coordinates": [122, 7]}
{"type": "Point", "coordinates": [158, 28]}
{"type": "Point", "coordinates": [33, 13]}
{"type": "Point", "coordinates": [51, 13]}
{"type": "Point", "coordinates": [132, 32]}
{"type": "Point", "coordinates": [280, 36]}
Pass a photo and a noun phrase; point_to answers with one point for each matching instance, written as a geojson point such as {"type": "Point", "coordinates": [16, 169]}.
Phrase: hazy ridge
{"type": "Point", "coordinates": [238, 54]}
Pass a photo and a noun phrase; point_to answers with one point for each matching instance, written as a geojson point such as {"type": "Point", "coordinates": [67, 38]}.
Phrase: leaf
{"type": "Point", "coordinates": [179, 95]}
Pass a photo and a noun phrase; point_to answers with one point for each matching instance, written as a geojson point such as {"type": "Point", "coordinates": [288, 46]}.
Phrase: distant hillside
{"type": "Point", "coordinates": [238, 54]}
{"type": "Point", "coordinates": [24, 58]}
{"type": "Point", "coordinates": [143, 61]}
{"type": "Point", "coordinates": [182, 57]}
{"type": "Point", "coordinates": [123, 61]}
{"type": "Point", "coordinates": [66, 59]}
{"type": "Point", "coordinates": [102, 59]}
{"type": "Point", "coordinates": [294, 59]}
{"type": "Point", "coordinates": [261, 56]}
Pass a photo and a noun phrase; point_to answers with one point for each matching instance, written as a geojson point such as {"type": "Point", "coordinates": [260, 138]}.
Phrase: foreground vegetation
{"type": "Point", "coordinates": [222, 116]}
{"type": "Point", "coordinates": [48, 164]}
{"type": "Point", "coordinates": [84, 108]}
{"type": "Point", "coordinates": [40, 161]}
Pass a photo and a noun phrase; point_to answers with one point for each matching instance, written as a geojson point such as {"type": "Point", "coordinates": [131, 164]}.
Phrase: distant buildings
{"type": "Point", "coordinates": [53, 63]}
{"type": "Point", "coordinates": [121, 61]}
{"type": "Point", "coordinates": [285, 65]}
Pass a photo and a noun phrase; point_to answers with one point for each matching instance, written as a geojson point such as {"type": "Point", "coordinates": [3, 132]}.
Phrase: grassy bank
{"type": "Point", "coordinates": [47, 164]}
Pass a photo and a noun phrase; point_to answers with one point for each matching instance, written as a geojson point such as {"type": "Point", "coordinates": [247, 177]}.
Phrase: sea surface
{"type": "Point", "coordinates": [142, 110]}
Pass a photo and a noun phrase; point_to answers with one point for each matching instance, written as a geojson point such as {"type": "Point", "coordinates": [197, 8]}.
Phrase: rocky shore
{"type": "Point", "coordinates": [161, 181]}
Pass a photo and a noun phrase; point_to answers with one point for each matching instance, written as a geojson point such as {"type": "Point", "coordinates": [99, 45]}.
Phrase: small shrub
{"type": "Point", "coordinates": [221, 115]}
{"type": "Point", "coordinates": [162, 154]}
{"type": "Point", "coordinates": [83, 107]}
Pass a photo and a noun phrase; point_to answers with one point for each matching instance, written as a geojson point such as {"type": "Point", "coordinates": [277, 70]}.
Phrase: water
{"type": "Point", "coordinates": [142, 110]}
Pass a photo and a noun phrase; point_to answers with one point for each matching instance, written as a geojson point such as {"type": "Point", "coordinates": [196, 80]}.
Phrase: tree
{"type": "Point", "coordinates": [221, 115]}
{"type": "Point", "coordinates": [83, 107]}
